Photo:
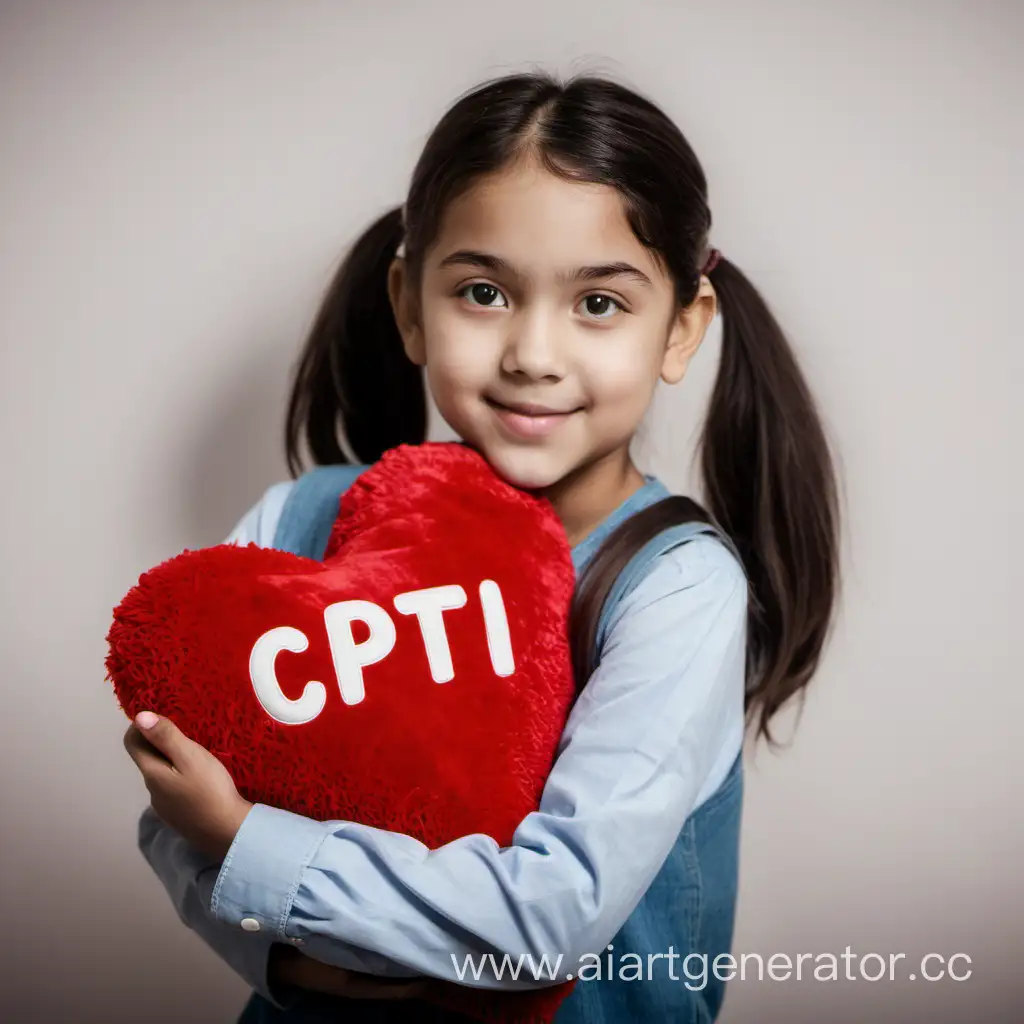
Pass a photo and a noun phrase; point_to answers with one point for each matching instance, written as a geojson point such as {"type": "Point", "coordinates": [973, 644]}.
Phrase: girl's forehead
{"type": "Point", "coordinates": [529, 215]}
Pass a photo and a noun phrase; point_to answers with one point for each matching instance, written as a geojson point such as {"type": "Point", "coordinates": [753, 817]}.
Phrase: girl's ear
{"type": "Point", "coordinates": [687, 332]}
{"type": "Point", "coordinates": [405, 308]}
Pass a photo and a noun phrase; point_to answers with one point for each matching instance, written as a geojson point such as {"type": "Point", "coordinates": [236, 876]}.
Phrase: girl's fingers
{"type": "Point", "coordinates": [147, 758]}
{"type": "Point", "coordinates": [308, 973]}
{"type": "Point", "coordinates": [360, 986]}
{"type": "Point", "coordinates": [168, 739]}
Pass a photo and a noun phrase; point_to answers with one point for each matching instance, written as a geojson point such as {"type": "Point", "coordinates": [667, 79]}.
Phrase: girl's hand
{"type": "Point", "coordinates": [193, 793]}
{"type": "Point", "coordinates": [190, 790]}
{"type": "Point", "coordinates": [288, 966]}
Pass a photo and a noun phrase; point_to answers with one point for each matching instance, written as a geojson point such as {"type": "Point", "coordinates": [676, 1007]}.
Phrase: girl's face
{"type": "Point", "coordinates": [537, 296]}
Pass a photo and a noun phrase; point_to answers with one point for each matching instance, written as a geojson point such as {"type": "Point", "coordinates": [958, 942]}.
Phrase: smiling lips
{"type": "Point", "coordinates": [528, 420]}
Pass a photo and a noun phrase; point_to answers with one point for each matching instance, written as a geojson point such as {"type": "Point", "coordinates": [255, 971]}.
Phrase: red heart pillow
{"type": "Point", "coordinates": [416, 680]}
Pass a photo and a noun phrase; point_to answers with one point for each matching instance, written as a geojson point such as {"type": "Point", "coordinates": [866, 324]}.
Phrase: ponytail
{"type": "Point", "coordinates": [770, 484]}
{"type": "Point", "coordinates": [353, 374]}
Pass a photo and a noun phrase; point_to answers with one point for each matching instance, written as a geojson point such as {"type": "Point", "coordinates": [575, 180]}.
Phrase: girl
{"type": "Point", "coordinates": [549, 266]}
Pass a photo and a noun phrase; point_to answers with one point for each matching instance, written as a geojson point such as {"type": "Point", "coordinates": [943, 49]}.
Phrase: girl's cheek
{"type": "Point", "coordinates": [619, 374]}
{"type": "Point", "coordinates": [455, 346]}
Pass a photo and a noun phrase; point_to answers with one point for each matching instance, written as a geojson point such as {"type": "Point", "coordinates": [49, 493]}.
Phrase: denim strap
{"type": "Point", "coordinates": [311, 508]}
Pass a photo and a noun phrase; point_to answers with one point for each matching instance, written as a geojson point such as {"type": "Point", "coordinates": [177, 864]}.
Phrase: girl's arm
{"type": "Point", "coordinates": [654, 732]}
{"type": "Point", "coordinates": [189, 875]}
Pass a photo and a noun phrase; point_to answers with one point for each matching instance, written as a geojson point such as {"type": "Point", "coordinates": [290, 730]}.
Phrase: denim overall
{"type": "Point", "coordinates": [690, 906]}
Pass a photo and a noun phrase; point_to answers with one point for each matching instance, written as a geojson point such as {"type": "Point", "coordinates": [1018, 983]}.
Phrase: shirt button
{"type": "Point", "coordinates": [250, 924]}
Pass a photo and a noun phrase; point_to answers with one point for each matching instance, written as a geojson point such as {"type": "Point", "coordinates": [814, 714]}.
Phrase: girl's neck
{"type": "Point", "coordinates": [586, 497]}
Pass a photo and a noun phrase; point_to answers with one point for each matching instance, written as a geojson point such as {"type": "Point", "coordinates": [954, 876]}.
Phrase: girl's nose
{"type": "Point", "coordinates": [533, 350]}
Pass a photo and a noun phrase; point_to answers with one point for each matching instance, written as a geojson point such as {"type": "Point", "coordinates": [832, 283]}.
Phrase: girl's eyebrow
{"type": "Point", "coordinates": [469, 257]}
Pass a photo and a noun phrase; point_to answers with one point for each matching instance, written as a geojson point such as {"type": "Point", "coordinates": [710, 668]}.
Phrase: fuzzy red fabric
{"type": "Point", "coordinates": [390, 747]}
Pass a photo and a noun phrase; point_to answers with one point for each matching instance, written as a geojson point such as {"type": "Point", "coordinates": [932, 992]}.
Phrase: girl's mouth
{"type": "Point", "coordinates": [529, 425]}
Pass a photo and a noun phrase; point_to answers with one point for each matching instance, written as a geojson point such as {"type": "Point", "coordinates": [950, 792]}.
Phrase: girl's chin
{"type": "Point", "coordinates": [527, 470]}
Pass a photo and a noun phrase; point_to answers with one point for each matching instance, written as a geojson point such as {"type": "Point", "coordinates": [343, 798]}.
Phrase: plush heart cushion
{"type": "Point", "coordinates": [417, 680]}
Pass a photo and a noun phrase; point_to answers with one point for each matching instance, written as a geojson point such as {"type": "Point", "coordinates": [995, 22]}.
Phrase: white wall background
{"type": "Point", "coordinates": [178, 180]}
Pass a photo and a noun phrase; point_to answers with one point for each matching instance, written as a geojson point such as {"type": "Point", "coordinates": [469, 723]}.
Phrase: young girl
{"type": "Point", "coordinates": [549, 266]}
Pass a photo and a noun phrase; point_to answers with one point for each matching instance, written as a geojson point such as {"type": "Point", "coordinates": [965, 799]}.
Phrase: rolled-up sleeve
{"type": "Point", "coordinates": [661, 715]}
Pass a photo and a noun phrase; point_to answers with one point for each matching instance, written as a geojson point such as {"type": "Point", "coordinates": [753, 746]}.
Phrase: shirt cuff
{"type": "Point", "coordinates": [257, 882]}
{"type": "Point", "coordinates": [248, 954]}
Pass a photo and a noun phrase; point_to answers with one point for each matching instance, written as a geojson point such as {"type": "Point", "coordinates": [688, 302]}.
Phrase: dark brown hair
{"type": "Point", "coordinates": [765, 461]}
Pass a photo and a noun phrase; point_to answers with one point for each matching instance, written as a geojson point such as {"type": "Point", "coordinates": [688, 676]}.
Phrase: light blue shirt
{"type": "Point", "coordinates": [652, 736]}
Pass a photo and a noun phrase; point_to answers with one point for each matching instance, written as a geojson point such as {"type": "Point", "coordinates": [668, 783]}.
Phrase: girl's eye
{"type": "Point", "coordinates": [483, 294]}
{"type": "Point", "coordinates": [599, 307]}
{"type": "Point", "coordinates": [602, 304]}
